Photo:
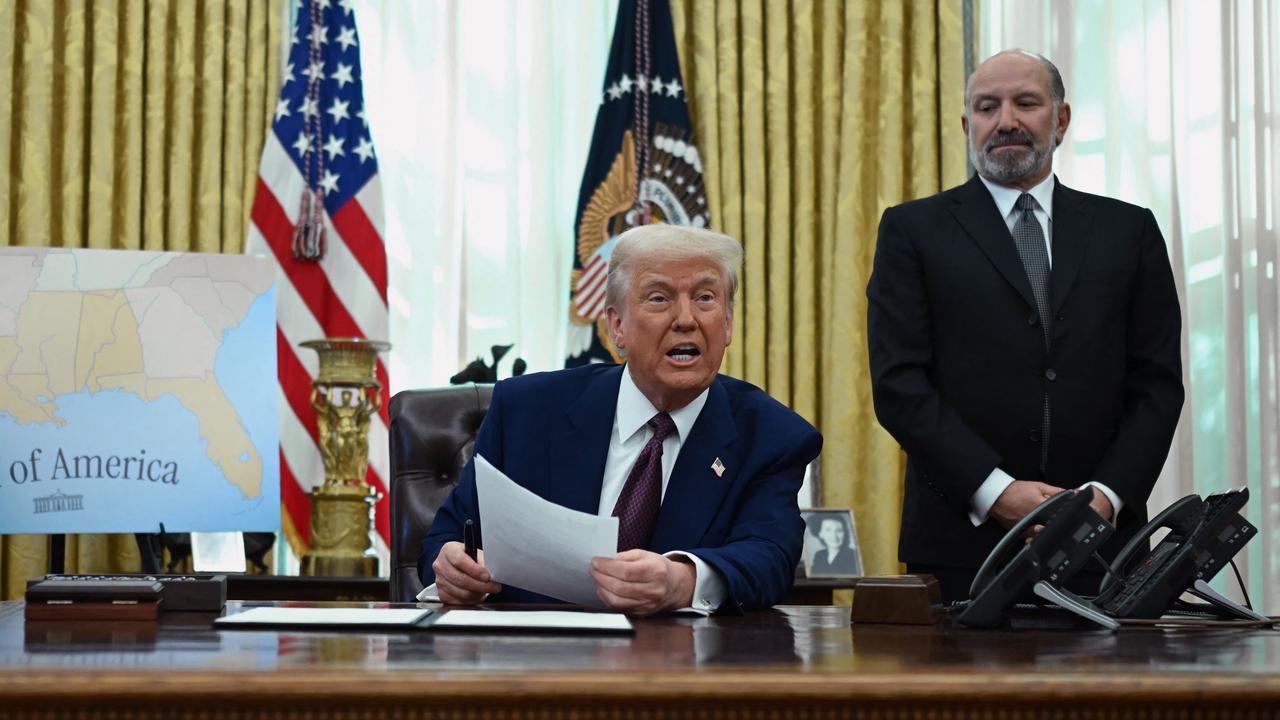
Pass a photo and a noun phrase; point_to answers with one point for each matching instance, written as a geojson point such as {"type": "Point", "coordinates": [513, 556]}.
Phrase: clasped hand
{"type": "Point", "coordinates": [1023, 496]}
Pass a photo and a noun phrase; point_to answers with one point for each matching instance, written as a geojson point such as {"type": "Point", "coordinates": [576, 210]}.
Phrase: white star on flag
{"type": "Point", "coordinates": [342, 75]}
{"type": "Point", "coordinates": [314, 70]}
{"type": "Point", "coordinates": [673, 89]}
{"type": "Point", "coordinates": [338, 110]}
{"type": "Point", "coordinates": [303, 143]}
{"type": "Point", "coordinates": [364, 149]}
{"type": "Point", "coordinates": [657, 86]}
{"type": "Point", "coordinates": [288, 74]}
{"type": "Point", "coordinates": [625, 84]}
{"type": "Point", "coordinates": [346, 38]}
{"type": "Point", "coordinates": [309, 107]}
{"type": "Point", "coordinates": [333, 147]}
{"type": "Point", "coordinates": [318, 36]}
{"type": "Point", "coordinates": [282, 108]}
{"type": "Point", "coordinates": [330, 182]}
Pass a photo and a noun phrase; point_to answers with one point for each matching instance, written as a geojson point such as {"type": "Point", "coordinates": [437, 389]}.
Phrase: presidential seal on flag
{"type": "Point", "coordinates": [642, 168]}
{"type": "Point", "coordinates": [671, 192]}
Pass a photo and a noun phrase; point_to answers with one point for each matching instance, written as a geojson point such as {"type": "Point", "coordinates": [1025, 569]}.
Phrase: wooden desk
{"type": "Point", "coordinates": [806, 591]}
{"type": "Point", "coordinates": [794, 662]}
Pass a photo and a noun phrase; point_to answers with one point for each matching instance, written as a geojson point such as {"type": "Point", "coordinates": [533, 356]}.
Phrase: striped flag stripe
{"type": "Point", "coordinates": [297, 325]}
{"type": "Point", "coordinates": [592, 286]}
{"type": "Point", "coordinates": [351, 265]}
{"type": "Point", "coordinates": [352, 222]}
{"type": "Point", "coordinates": [308, 278]}
{"type": "Point", "coordinates": [596, 307]}
{"type": "Point", "coordinates": [294, 499]}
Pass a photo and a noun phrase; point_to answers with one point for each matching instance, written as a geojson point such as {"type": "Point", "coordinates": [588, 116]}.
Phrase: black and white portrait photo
{"type": "Point", "coordinates": [830, 544]}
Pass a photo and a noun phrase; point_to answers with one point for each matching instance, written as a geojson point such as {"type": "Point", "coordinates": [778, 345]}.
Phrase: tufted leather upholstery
{"type": "Point", "coordinates": [432, 436]}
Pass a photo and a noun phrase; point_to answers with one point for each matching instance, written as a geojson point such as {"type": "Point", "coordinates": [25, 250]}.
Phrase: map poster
{"type": "Point", "coordinates": [137, 388]}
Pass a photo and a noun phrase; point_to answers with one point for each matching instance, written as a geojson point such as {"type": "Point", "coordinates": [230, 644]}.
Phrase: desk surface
{"type": "Point", "coordinates": [789, 662]}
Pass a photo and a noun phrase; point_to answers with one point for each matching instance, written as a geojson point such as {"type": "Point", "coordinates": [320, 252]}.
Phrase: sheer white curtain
{"type": "Point", "coordinates": [1175, 109]}
{"type": "Point", "coordinates": [481, 115]}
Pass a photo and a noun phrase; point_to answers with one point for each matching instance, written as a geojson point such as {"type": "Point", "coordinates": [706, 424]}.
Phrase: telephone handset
{"type": "Point", "coordinates": [1203, 537]}
{"type": "Point", "coordinates": [1180, 518]}
{"type": "Point", "coordinates": [1071, 533]}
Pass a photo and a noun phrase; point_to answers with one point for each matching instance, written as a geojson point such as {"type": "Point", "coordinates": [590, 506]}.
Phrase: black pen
{"type": "Point", "coordinates": [469, 540]}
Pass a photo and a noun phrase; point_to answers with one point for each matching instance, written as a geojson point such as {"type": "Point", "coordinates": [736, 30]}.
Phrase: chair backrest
{"type": "Point", "coordinates": [432, 437]}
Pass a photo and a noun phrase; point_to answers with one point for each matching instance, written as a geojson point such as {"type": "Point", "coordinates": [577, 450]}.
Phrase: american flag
{"type": "Point", "coordinates": [319, 141]}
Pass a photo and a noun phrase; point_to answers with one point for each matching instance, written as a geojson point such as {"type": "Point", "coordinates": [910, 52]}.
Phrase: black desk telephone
{"type": "Point", "coordinates": [1072, 532]}
{"type": "Point", "coordinates": [1203, 537]}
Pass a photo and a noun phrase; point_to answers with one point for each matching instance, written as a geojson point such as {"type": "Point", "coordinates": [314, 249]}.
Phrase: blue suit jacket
{"type": "Point", "coordinates": [549, 432]}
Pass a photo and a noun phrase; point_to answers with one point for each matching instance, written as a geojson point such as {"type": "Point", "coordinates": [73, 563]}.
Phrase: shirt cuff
{"type": "Point", "coordinates": [1116, 503]}
{"type": "Point", "coordinates": [708, 586]}
{"type": "Point", "coordinates": [988, 492]}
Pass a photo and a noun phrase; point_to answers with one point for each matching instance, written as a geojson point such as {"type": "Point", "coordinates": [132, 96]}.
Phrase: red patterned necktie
{"type": "Point", "coordinates": [637, 507]}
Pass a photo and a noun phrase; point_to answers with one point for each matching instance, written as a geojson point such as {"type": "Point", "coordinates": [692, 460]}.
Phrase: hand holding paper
{"type": "Point", "coordinates": [640, 582]}
{"type": "Point", "coordinates": [535, 544]}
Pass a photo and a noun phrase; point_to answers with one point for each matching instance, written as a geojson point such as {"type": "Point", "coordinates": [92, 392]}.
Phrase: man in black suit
{"type": "Point", "coordinates": [1024, 337]}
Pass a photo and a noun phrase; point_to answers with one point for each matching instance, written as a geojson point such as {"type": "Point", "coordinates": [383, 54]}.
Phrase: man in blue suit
{"type": "Point", "coordinates": [702, 470]}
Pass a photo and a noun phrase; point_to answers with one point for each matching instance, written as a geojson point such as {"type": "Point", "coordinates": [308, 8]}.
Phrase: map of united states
{"type": "Point", "coordinates": [77, 322]}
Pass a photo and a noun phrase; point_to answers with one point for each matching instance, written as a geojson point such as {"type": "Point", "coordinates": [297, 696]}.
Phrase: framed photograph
{"type": "Point", "coordinates": [830, 544]}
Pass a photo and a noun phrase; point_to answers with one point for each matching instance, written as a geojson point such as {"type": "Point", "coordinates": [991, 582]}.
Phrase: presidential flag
{"type": "Point", "coordinates": [318, 212]}
{"type": "Point", "coordinates": [642, 168]}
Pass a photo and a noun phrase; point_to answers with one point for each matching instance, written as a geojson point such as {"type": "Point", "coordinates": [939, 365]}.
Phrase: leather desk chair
{"type": "Point", "coordinates": [432, 437]}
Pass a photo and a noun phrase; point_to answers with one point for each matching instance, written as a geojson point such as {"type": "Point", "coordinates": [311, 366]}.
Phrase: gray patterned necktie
{"type": "Point", "coordinates": [1028, 236]}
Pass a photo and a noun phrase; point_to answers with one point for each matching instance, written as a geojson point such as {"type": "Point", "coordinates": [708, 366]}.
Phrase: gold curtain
{"type": "Point", "coordinates": [134, 124]}
{"type": "Point", "coordinates": [812, 117]}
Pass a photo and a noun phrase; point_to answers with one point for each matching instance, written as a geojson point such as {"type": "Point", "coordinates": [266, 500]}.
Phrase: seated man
{"type": "Point", "coordinates": [701, 469]}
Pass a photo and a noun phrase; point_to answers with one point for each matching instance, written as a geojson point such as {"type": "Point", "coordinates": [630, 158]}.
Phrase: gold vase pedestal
{"type": "Point", "coordinates": [345, 395]}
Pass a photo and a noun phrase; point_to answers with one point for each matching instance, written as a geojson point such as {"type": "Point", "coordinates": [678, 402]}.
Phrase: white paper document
{"type": "Point", "coordinates": [537, 545]}
{"type": "Point", "coordinates": [535, 620]}
{"type": "Point", "coordinates": [336, 617]}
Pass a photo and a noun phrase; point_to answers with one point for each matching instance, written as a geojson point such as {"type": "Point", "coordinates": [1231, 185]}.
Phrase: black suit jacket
{"type": "Point", "coordinates": [959, 365]}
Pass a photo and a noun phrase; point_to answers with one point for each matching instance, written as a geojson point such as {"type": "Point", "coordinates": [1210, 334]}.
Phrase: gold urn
{"type": "Point", "coordinates": [345, 395]}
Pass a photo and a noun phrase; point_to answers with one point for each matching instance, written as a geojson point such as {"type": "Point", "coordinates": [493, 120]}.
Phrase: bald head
{"type": "Point", "coordinates": [1021, 59]}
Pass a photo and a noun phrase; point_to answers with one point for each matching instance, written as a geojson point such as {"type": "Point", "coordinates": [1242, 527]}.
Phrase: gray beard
{"type": "Point", "coordinates": [1009, 170]}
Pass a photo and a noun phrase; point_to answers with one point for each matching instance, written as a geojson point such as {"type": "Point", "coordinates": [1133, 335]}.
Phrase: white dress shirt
{"type": "Point", "coordinates": [631, 432]}
{"type": "Point", "coordinates": [1006, 199]}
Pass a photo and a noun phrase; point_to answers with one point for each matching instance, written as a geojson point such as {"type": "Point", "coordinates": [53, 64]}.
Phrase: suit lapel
{"type": "Point", "coordinates": [579, 447]}
{"type": "Point", "coordinates": [1072, 231]}
{"type": "Point", "coordinates": [694, 491]}
{"type": "Point", "coordinates": [976, 212]}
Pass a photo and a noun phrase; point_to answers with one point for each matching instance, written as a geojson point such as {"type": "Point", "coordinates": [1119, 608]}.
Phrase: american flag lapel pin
{"type": "Point", "coordinates": [718, 467]}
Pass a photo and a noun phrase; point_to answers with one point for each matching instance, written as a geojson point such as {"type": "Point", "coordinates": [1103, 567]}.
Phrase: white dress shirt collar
{"type": "Point", "coordinates": [1007, 197]}
{"type": "Point", "coordinates": [634, 410]}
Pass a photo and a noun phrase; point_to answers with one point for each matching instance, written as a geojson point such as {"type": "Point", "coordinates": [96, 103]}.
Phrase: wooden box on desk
{"type": "Point", "coordinates": [898, 599]}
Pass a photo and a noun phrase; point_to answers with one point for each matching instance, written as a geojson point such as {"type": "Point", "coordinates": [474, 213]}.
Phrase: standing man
{"type": "Point", "coordinates": [1023, 336]}
{"type": "Point", "coordinates": [702, 470]}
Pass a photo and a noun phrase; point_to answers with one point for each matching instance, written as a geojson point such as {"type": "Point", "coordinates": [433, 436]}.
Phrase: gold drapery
{"type": "Point", "coordinates": [134, 124]}
{"type": "Point", "coordinates": [812, 117]}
